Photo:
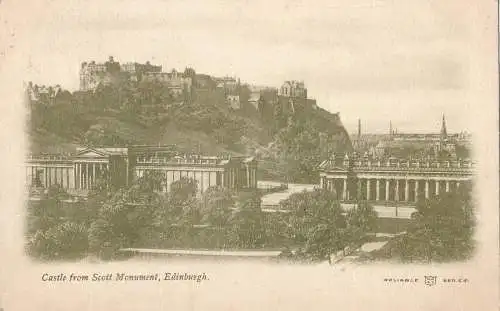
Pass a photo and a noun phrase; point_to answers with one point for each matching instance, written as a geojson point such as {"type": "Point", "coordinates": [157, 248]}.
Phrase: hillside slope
{"type": "Point", "coordinates": [288, 143]}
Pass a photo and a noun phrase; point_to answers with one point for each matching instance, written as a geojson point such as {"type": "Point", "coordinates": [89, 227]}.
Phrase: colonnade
{"type": "Point", "coordinates": [86, 173]}
{"type": "Point", "coordinates": [48, 175]}
{"type": "Point", "coordinates": [232, 177]}
{"type": "Point", "coordinates": [203, 178]}
{"type": "Point", "coordinates": [389, 189]}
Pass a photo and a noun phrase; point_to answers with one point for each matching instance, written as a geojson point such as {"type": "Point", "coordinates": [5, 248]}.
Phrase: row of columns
{"type": "Point", "coordinates": [251, 174]}
{"type": "Point", "coordinates": [242, 177]}
{"type": "Point", "coordinates": [231, 178]}
{"type": "Point", "coordinates": [46, 176]}
{"type": "Point", "coordinates": [388, 189]}
{"type": "Point", "coordinates": [86, 174]}
{"type": "Point", "coordinates": [204, 179]}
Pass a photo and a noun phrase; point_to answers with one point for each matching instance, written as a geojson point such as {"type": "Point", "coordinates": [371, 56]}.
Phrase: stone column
{"type": "Point", "coordinates": [66, 177]}
{"type": "Point", "coordinates": [368, 189]}
{"type": "Point", "coordinates": [416, 189]}
{"type": "Point", "coordinates": [81, 176]}
{"type": "Point", "coordinates": [344, 190]}
{"type": "Point", "coordinates": [358, 188]}
{"type": "Point", "coordinates": [396, 194]}
{"type": "Point", "coordinates": [93, 173]}
{"type": "Point", "coordinates": [82, 185]}
{"type": "Point", "coordinates": [437, 187]}
{"type": "Point", "coordinates": [447, 186]}
{"type": "Point", "coordinates": [255, 178]}
{"type": "Point", "coordinates": [322, 183]}
{"type": "Point", "coordinates": [213, 178]}
{"type": "Point", "coordinates": [87, 182]}
{"type": "Point", "coordinates": [78, 174]}
{"type": "Point", "coordinates": [248, 177]}
{"type": "Point", "coordinates": [387, 184]}
{"type": "Point", "coordinates": [82, 169]}
{"type": "Point", "coordinates": [427, 189]}
{"type": "Point", "coordinates": [407, 190]}
{"type": "Point", "coordinates": [377, 190]}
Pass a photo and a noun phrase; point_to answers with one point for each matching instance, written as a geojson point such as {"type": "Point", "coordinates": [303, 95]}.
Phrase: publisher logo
{"type": "Point", "coordinates": [430, 280]}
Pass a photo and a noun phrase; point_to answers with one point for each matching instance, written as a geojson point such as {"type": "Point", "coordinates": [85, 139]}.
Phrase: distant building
{"type": "Point", "coordinates": [292, 95]}
{"type": "Point", "coordinates": [93, 74]}
{"type": "Point", "coordinates": [355, 177]}
{"type": "Point", "coordinates": [233, 101]}
{"type": "Point", "coordinates": [261, 95]}
{"type": "Point", "coordinates": [136, 70]}
{"type": "Point", "coordinates": [293, 89]}
{"type": "Point", "coordinates": [204, 82]}
{"type": "Point", "coordinates": [41, 93]}
{"type": "Point", "coordinates": [177, 82]}
{"type": "Point", "coordinates": [433, 144]}
{"type": "Point", "coordinates": [229, 85]}
{"type": "Point", "coordinates": [121, 166]}
{"type": "Point", "coordinates": [254, 99]}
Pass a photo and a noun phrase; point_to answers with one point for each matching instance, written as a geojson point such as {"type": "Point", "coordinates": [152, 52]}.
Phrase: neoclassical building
{"type": "Point", "coordinates": [80, 171]}
{"type": "Point", "coordinates": [392, 179]}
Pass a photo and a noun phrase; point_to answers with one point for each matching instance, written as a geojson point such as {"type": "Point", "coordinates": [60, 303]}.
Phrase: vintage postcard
{"type": "Point", "coordinates": [249, 155]}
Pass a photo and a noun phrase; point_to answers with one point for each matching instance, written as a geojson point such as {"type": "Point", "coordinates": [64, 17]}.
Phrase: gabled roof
{"type": "Point", "coordinates": [329, 165]}
{"type": "Point", "coordinates": [90, 152]}
{"type": "Point", "coordinates": [249, 159]}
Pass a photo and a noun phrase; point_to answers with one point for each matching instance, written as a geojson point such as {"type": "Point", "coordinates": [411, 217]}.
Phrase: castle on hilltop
{"type": "Point", "coordinates": [93, 74]}
{"type": "Point", "coordinates": [288, 97]}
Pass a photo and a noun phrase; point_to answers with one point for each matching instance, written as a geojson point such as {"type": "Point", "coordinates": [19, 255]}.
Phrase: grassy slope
{"type": "Point", "coordinates": [205, 125]}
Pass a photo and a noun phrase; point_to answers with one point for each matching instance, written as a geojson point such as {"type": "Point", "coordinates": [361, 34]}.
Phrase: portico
{"type": "Point", "coordinates": [120, 166]}
{"type": "Point", "coordinates": [393, 180]}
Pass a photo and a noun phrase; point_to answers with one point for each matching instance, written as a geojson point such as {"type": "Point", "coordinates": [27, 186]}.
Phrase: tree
{"type": "Point", "coordinates": [152, 181]}
{"type": "Point", "coordinates": [183, 189]}
{"type": "Point", "coordinates": [66, 240]}
{"type": "Point", "coordinates": [361, 220]}
{"type": "Point", "coordinates": [47, 212]}
{"type": "Point", "coordinates": [247, 223]}
{"type": "Point", "coordinates": [443, 230]}
{"type": "Point", "coordinates": [217, 205]}
{"type": "Point", "coordinates": [317, 223]}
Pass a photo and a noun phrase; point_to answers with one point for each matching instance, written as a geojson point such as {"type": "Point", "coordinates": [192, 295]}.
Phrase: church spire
{"type": "Point", "coordinates": [390, 130]}
{"type": "Point", "coordinates": [444, 133]}
{"type": "Point", "coordinates": [359, 128]}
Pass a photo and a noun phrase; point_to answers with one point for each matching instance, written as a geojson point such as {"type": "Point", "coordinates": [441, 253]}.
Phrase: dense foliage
{"type": "Point", "coordinates": [442, 232]}
{"type": "Point", "coordinates": [144, 216]}
{"type": "Point", "coordinates": [320, 228]}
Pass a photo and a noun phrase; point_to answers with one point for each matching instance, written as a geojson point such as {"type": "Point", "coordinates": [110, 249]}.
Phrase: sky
{"type": "Point", "coordinates": [377, 60]}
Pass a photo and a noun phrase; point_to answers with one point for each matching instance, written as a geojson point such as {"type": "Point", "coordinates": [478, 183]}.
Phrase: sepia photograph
{"type": "Point", "coordinates": [185, 163]}
{"type": "Point", "coordinates": [190, 142]}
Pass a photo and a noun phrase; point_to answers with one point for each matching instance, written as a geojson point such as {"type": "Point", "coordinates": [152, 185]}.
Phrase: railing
{"type": "Point", "coordinates": [407, 165]}
{"type": "Point", "coordinates": [48, 158]}
{"type": "Point", "coordinates": [177, 161]}
{"type": "Point", "coordinates": [413, 168]}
